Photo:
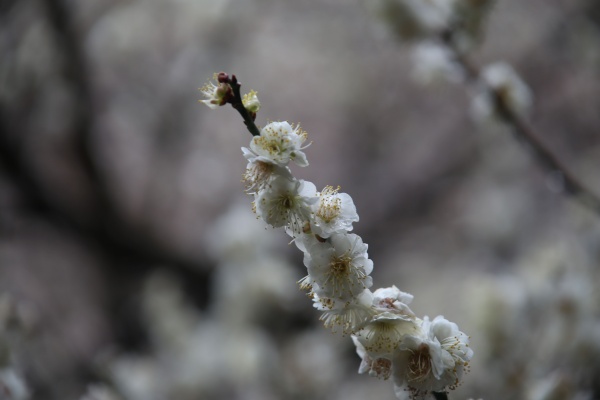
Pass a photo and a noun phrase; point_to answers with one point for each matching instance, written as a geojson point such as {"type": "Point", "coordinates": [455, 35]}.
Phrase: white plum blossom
{"type": "Point", "coordinates": [12, 385]}
{"type": "Point", "coordinates": [258, 173]}
{"type": "Point", "coordinates": [394, 319]}
{"type": "Point", "coordinates": [392, 299]}
{"type": "Point", "coordinates": [471, 16]}
{"type": "Point", "coordinates": [216, 95]}
{"type": "Point", "coordinates": [460, 21]}
{"type": "Point", "coordinates": [432, 361]}
{"type": "Point", "coordinates": [340, 267]}
{"type": "Point", "coordinates": [350, 315]}
{"type": "Point", "coordinates": [384, 333]}
{"type": "Point", "coordinates": [278, 143]}
{"type": "Point", "coordinates": [433, 63]}
{"type": "Point", "coordinates": [99, 392]}
{"type": "Point", "coordinates": [499, 81]}
{"type": "Point", "coordinates": [334, 213]}
{"type": "Point", "coordinates": [379, 367]}
{"type": "Point", "coordinates": [452, 339]}
{"type": "Point", "coordinates": [286, 202]}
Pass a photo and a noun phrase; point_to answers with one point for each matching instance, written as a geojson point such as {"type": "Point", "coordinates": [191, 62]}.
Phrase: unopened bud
{"type": "Point", "coordinates": [222, 77]}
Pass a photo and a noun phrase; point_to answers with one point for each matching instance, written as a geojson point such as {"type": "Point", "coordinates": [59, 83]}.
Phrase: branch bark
{"type": "Point", "coordinates": [525, 133]}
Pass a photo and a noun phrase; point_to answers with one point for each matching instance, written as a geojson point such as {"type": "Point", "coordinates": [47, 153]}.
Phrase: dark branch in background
{"type": "Point", "coordinates": [103, 227]}
{"type": "Point", "coordinates": [525, 133]}
{"type": "Point", "coordinates": [139, 252]}
{"type": "Point", "coordinates": [77, 71]}
{"type": "Point", "coordinates": [440, 395]}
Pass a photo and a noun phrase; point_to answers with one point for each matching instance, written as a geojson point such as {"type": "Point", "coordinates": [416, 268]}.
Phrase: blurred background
{"type": "Point", "coordinates": [132, 267]}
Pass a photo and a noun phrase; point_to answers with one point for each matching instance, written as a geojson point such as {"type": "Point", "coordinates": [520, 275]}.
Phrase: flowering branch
{"type": "Point", "coordinates": [523, 131]}
{"type": "Point", "coordinates": [238, 104]}
{"type": "Point", "coordinates": [228, 92]}
{"type": "Point", "coordinates": [445, 32]}
{"type": "Point", "coordinates": [422, 356]}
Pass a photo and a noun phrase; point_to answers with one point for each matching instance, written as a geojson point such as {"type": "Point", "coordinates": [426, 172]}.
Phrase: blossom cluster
{"type": "Point", "coordinates": [420, 355]}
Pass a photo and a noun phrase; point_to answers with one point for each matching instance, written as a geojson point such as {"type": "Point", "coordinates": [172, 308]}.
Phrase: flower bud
{"type": "Point", "coordinates": [250, 102]}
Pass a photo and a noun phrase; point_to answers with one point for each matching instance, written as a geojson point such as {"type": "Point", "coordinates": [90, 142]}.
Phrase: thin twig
{"type": "Point", "coordinates": [572, 185]}
{"type": "Point", "coordinates": [524, 132]}
{"type": "Point", "coordinates": [239, 106]}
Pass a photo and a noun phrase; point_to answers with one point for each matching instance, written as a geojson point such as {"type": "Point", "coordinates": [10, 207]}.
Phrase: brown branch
{"type": "Point", "coordinates": [77, 72]}
{"type": "Point", "coordinates": [103, 227]}
{"type": "Point", "coordinates": [572, 185]}
{"type": "Point", "coordinates": [524, 132]}
{"type": "Point", "coordinates": [236, 102]}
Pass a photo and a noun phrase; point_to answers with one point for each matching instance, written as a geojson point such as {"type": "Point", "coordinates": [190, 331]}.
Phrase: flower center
{"type": "Point", "coordinates": [340, 266]}
{"type": "Point", "coordinates": [273, 147]}
{"type": "Point", "coordinates": [419, 364]}
{"type": "Point", "coordinates": [330, 206]}
{"type": "Point", "coordinates": [382, 368]}
{"type": "Point", "coordinates": [286, 201]}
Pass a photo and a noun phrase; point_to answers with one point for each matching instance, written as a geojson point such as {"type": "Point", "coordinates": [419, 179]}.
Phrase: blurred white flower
{"type": "Point", "coordinates": [470, 16]}
{"type": "Point", "coordinates": [167, 314]}
{"type": "Point", "coordinates": [434, 63]}
{"type": "Point", "coordinates": [244, 291]}
{"type": "Point", "coordinates": [238, 236]}
{"type": "Point", "coordinates": [249, 355]}
{"type": "Point", "coordinates": [307, 360]}
{"type": "Point", "coordinates": [12, 386]}
{"type": "Point", "coordinates": [414, 19]}
{"type": "Point", "coordinates": [500, 86]}
{"type": "Point", "coordinates": [556, 386]}
{"type": "Point", "coordinates": [250, 279]}
{"type": "Point", "coordinates": [139, 378]}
